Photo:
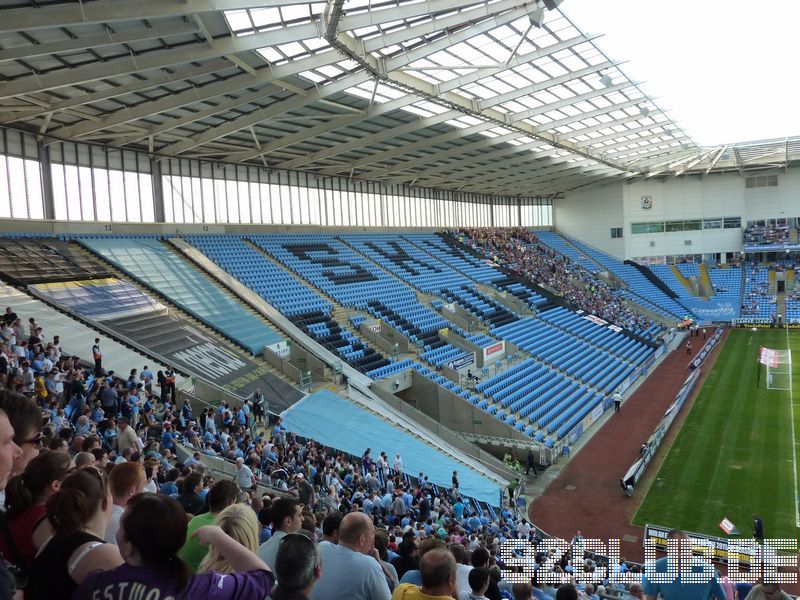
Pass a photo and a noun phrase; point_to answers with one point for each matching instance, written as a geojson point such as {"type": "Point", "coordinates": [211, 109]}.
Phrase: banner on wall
{"type": "Point", "coordinates": [495, 350]}
{"type": "Point", "coordinates": [711, 310]}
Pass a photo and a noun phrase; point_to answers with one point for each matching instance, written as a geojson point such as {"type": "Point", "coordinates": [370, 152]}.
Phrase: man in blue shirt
{"type": "Point", "coordinates": [675, 589]}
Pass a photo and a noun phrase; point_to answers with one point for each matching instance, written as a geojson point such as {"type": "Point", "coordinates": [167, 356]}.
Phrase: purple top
{"type": "Point", "coordinates": [126, 582]}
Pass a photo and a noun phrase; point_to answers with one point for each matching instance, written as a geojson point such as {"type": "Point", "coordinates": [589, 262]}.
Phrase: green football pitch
{"type": "Point", "coordinates": [736, 451]}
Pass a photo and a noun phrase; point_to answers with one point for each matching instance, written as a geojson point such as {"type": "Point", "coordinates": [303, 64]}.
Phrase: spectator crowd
{"type": "Point", "coordinates": [107, 496]}
{"type": "Point", "coordinates": [522, 253]}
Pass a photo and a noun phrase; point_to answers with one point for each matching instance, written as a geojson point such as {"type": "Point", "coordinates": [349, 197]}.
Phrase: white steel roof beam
{"type": "Point", "coordinates": [498, 153]}
{"type": "Point", "coordinates": [532, 112]}
{"type": "Point", "coordinates": [109, 38]}
{"type": "Point", "coordinates": [108, 11]}
{"type": "Point", "coordinates": [492, 21]}
{"type": "Point", "coordinates": [161, 78]}
{"type": "Point", "coordinates": [715, 160]}
{"type": "Point", "coordinates": [443, 154]}
{"type": "Point", "coordinates": [420, 145]}
{"type": "Point", "coordinates": [263, 114]}
{"type": "Point", "coordinates": [515, 61]}
{"type": "Point", "coordinates": [159, 59]}
{"type": "Point", "coordinates": [180, 100]}
{"type": "Point", "coordinates": [587, 115]}
{"type": "Point", "coordinates": [620, 134]}
{"type": "Point", "coordinates": [368, 139]}
{"type": "Point", "coordinates": [373, 17]}
{"type": "Point", "coordinates": [536, 87]}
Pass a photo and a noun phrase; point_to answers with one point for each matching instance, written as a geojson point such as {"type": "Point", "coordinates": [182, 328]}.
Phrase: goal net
{"type": "Point", "coordinates": [779, 371]}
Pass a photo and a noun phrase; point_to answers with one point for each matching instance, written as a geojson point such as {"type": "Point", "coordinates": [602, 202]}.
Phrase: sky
{"type": "Point", "coordinates": [724, 70]}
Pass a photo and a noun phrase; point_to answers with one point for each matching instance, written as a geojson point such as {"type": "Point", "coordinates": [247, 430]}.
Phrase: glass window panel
{"type": "Point", "coordinates": [101, 195]}
{"type": "Point", "coordinates": [232, 201]}
{"type": "Point", "coordinates": [146, 194]}
{"type": "Point", "coordinates": [132, 197]}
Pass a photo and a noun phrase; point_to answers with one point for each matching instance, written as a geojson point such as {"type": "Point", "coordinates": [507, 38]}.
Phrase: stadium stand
{"type": "Point", "coordinates": [154, 265]}
{"type": "Point", "coordinates": [757, 303]}
{"type": "Point", "coordinates": [26, 260]}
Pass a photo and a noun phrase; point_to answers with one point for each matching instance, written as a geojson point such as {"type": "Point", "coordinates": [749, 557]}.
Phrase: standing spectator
{"type": "Point", "coordinates": [287, 517]}
{"type": "Point", "coordinates": [297, 568]}
{"type": "Point", "coordinates": [126, 480]}
{"type": "Point", "coordinates": [98, 358]}
{"type": "Point", "coordinates": [126, 438]}
{"type": "Point", "coordinates": [352, 569]}
{"type": "Point", "coordinates": [478, 583]}
{"type": "Point", "coordinates": [531, 463]}
{"type": "Point", "coordinates": [758, 528]}
{"type": "Point", "coordinates": [455, 480]}
{"type": "Point", "coordinates": [305, 491]}
{"type": "Point", "coordinates": [169, 376]}
{"type": "Point", "coordinates": [617, 397]}
{"type": "Point", "coordinates": [244, 477]}
{"type": "Point", "coordinates": [260, 407]}
{"type": "Point", "coordinates": [398, 464]}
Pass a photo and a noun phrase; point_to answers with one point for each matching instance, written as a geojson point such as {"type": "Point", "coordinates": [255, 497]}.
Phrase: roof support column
{"type": "Point", "coordinates": [158, 190]}
{"type": "Point", "coordinates": [47, 181]}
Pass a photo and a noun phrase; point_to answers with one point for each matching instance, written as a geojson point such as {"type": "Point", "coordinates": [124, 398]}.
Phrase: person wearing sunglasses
{"type": "Point", "coordinates": [78, 513]}
{"type": "Point", "coordinates": [26, 419]}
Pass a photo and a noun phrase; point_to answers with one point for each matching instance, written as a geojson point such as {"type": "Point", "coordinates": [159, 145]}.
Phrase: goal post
{"type": "Point", "coordinates": [779, 371]}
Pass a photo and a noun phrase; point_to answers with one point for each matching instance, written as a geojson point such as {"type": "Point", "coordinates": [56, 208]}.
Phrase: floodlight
{"type": "Point", "coordinates": [552, 4]}
{"type": "Point", "coordinates": [537, 17]}
{"type": "Point", "coordinates": [644, 111]}
{"type": "Point", "coordinates": [606, 80]}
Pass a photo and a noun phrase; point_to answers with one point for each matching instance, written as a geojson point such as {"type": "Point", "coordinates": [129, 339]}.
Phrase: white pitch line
{"type": "Point", "coordinates": [794, 443]}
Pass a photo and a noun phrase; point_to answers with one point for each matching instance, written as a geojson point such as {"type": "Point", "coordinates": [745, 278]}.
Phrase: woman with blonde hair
{"type": "Point", "coordinates": [240, 522]}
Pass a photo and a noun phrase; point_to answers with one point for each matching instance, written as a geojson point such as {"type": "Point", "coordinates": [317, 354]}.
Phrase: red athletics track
{"type": "Point", "coordinates": [597, 506]}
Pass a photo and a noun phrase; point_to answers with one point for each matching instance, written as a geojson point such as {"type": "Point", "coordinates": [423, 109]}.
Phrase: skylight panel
{"type": "Point", "coordinates": [315, 43]}
{"type": "Point", "coordinates": [238, 20]}
{"type": "Point", "coordinates": [431, 107]}
{"type": "Point", "coordinates": [512, 106]}
{"type": "Point", "coordinates": [312, 76]}
{"type": "Point", "coordinates": [480, 91]}
{"type": "Point", "coordinates": [264, 17]}
{"type": "Point", "coordinates": [514, 80]}
{"type": "Point", "coordinates": [295, 12]}
{"type": "Point", "coordinates": [291, 49]}
{"type": "Point", "coordinates": [271, 55]}
{"type": "Point", "coordinates": [330, 71]}
{"type": "Point", "coordinates": [415, 110]}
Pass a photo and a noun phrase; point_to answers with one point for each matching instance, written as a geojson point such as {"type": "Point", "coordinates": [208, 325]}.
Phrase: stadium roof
{"type": "Point", "coordinates": [497, 97]}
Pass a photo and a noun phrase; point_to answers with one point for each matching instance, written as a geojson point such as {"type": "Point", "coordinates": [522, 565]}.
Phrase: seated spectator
{"type": "Point", "coordinates": [286, 517]}
{"type": "Point", "coordinates": [240, 523]}
{"type": "Point", "coordinates": [78, 513]}
{"type": "Point", "coordinates": [478, 583]}
{"type": "Point", "coordinates": [438, 572]}
{"type": "Point", "coordinates": [190, 498]}
{"type": "Point", "coordinates": [152, 531]}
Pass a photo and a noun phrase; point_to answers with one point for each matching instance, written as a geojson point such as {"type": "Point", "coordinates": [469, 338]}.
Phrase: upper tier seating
{"type": "Point", "coordinates": [268, 280]}
{"type": "Point", "coordinates": [451, 254]}
{"type": "Point", "coordinates": [757, 303]}
{"type": "Point", "coordinates": [155, 265]}
{"type": "Point", "coordinates": [637, 283]}
{"type": "Point", "coordinates": [406, 261]}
